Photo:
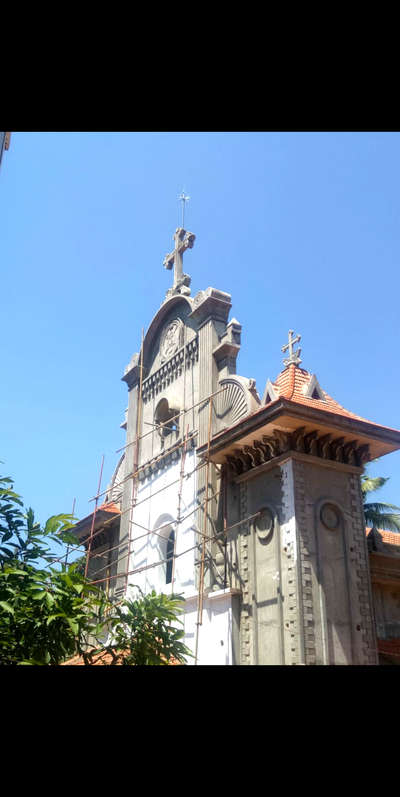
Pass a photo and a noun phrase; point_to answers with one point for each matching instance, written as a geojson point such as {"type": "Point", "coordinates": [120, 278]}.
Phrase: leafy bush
{"type": "Point", "coordinates": [49, 614]}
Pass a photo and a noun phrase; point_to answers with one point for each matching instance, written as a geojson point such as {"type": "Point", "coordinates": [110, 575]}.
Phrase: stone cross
{"type": "Point", "coordinates": [183, 240]}
{"type": "Point", "coordinates": [294, 356]}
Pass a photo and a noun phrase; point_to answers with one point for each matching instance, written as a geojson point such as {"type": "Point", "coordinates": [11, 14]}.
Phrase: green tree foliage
{"type": "Point", "coordinates": [143, 631]}
{"type": "Point", "coordinates": [377, 514]}
{"type": "Point", "coordinates": [46, 613]}
{"type": "Point", "coordinates": [50, 613]}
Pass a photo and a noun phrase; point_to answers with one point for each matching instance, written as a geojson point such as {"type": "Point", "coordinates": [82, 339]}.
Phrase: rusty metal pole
{"type": "Point", "coordinates": [93, 518]}
{"type": "Point", "coordinates": [68, 545]}
{"type": "Point", "coordinates": [205, 540]}
{"type": "Point", "coordinates": [225, 497]}
{"type": "Point", "coordinates": [178, 517]}
{"type": "Point", "coordinates": [135, 460]}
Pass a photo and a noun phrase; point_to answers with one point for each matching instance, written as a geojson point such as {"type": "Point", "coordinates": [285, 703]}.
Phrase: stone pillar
{"type": "Point", "coordinates": [304, 568]}
{"type": "Point", "coordinates": [211, 310]}
{"type": "Point", "coordinates": [328, 617]}
{"type": "Point", "coordinates": [131, 377]}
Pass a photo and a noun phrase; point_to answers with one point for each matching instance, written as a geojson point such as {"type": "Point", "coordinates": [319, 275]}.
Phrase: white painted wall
{"type": "Point", "coordinates": [215, 633]}
{"type": "Point", "coordinates": [161, 506]}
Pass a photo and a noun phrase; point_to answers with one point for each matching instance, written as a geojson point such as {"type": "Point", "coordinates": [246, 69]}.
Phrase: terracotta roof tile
{"type": "Point", "coordinates": [388, 537]}
{"type": "Point", "coordinates": [109, 507]}
{"type": "Point", "coordinates": [292, 381]}
{"type": "Point", "coordinates": [99, 659]}
{"type": "Point", "coordinates": [389, 646]}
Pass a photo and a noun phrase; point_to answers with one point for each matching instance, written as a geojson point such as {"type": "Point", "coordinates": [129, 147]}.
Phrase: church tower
{"type": "Point", "coordinates": [179, 385]}
{"type": "Point", "coordinates": [249, 507]}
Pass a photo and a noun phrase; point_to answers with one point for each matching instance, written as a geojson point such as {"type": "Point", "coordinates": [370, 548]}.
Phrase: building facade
{"type": "Point", "coordinates": [249, 506]}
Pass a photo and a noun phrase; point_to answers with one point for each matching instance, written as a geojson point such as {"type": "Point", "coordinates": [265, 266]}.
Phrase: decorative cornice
{"type": "Point", "coordinates": [229, 345]}
{"type": "Point", "coordinates": [272, 446]}
{"type": "Point", "coordinates": [174, 452]}
{"type": "Point", "coordinates": [211, 303]}
{"type": "Point", "coordinates": [132, 371]}
{"type": "Point", "coordinates": [282, 409]}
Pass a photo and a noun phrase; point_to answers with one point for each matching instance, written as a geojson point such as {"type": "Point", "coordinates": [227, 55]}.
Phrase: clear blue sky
{"type": "Point", "coordinates": [301, 228]}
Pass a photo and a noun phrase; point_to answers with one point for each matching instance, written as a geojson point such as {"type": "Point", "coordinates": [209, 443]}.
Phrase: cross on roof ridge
{"type": "Point", "coordinates": [294, 356]}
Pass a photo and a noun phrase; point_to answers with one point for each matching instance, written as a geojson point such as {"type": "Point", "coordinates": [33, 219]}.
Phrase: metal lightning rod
{"type": "Point", "coordinates": [183, 198]}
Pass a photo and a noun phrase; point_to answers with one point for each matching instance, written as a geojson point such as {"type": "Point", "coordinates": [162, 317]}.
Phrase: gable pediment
{"type": "Point", "coordinates": [314, 390]}
{"type": "Point", "coordinates": [270, 394]}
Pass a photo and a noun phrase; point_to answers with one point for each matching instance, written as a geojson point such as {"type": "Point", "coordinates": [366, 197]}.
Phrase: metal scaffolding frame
{"type": "Point", "coordinates": [204, 539]}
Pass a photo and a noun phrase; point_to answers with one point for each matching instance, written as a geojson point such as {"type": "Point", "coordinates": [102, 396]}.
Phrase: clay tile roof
{"type": "Point", "coordinates": [110, 507]}
{"type": "Point", "coordinates": [388, 537]}
{"type": "Point", "coordinates": [99, 659]}
{"type": "Point", "coordinates": [389, 646]}
{"type": "Point", "coordinates": [291, 383]}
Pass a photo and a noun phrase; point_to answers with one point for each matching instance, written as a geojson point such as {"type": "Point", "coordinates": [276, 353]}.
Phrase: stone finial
{"type": "Point", "coordinates": [294, 356]}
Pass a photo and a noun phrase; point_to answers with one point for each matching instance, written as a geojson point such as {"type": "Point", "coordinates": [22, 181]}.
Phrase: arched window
{"type": "Point", "coordinates": [170, 556]}
{"type": "Point", "coordinates": [163, 544]}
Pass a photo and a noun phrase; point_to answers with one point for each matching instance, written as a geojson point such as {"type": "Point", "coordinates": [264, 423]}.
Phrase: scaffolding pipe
{"type": "Point", "coordinates": [163, 561]}
{"type": "Point", "coordinates": [93, 520]}
{"type": "Point", "coordinates": [151, 531]}
{"type": "Point", "coordinates": [135, 459]}
{"type": "Point", "coordinates": [203, 550]}
{"type": "Point", "coordinates": [111, 520]}
{"type": "Point", "coordinates": [182, 412]}
{"type": "Point", "coordinates": [178, 516]}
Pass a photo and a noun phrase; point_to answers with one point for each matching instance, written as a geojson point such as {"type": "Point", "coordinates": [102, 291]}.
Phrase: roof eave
{"type": "Point", "coordinates": [383, 439]}
{"type": "Point", "coordinates": [82, 527]}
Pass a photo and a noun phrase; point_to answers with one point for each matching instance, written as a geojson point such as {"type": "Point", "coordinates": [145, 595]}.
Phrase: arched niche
{"type": "Point", "coordinates": [166, 311]}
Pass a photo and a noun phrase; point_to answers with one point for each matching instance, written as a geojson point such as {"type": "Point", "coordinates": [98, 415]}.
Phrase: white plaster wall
{"type": "Point", "coordinates": [215, 633]}
{"type": "Point", "coordinates": [288, 527]}
{"type": "Point", "coordinates": [162, 506]}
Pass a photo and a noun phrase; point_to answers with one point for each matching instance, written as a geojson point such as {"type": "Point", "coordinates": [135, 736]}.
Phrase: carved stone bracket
{"type": "Point", "coordinates": [248, 457]}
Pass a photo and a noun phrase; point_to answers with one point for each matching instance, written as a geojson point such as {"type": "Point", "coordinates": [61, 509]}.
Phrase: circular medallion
{"type": "Point", "coordinates": [171, 339]}
{"type": "Point", "coordinates": [329, 516]}
{"type": "Point", "coordinates": [264, 524]}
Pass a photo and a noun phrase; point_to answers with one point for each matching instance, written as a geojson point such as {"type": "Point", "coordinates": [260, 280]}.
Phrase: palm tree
{"type": "Point", "coordinates": [378, 515]}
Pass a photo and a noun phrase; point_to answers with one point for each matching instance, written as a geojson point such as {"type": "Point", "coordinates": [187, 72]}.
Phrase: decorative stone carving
{"type": "Point", "coordinates": [284, 440]}
{"type": "Point", "coordinates": [174, 452]}
{"type": "Point", "coordinates": [298, 439]}
{"type": "Point", "coordinates": [264, 525]}
{"type": "Point", "coordinates": [235, 402]}
{"type": "Point", "coordinates": [272, 444]}
{"type": "Point", "coordinates": [294, 356]}
{"type": "Point", "coordinates": [171, 339]}
{"type": "Point", "coordinates": [174, 260]}
{"type": "Point", "coordinates": [170, 370]}
{"type": "Point", "coordinates": [336, 449]}
{"type": "Point", "coordinates": [281, 442]}
{"type": "Point", "coordinates": [323, 446]}
{"type": "Point", "coordinates": [362, 454]}
{"type": "Point", "coordinates": [329, 516]}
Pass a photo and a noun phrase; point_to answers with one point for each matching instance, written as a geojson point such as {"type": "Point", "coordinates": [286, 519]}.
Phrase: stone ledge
{"type": "Point", "coordinates": [211, 596]}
